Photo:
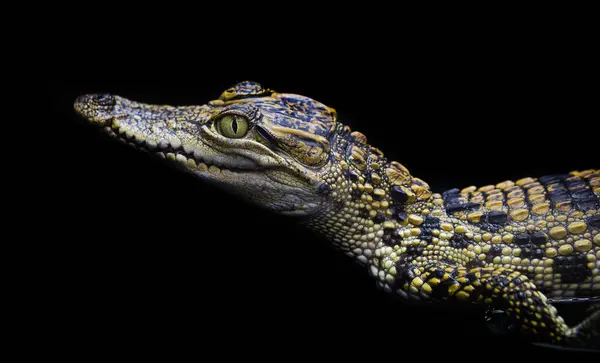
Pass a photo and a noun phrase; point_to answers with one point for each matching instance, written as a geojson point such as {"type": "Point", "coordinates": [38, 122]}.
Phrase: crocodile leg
{"type": "Point", "coordinates": [500, 288]}
{"type": "Point", "coordinates": [590, 324]}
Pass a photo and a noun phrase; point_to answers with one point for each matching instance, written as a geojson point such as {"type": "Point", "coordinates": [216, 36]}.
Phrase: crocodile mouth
{"type": "Point", "coordinates": [183, 156]}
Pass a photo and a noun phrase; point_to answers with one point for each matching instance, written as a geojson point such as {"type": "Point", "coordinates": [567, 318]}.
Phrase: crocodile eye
{"type": "Point", "coordinates": [233, 126]}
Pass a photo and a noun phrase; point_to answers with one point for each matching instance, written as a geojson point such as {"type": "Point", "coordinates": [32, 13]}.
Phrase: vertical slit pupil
{"type": "Point", "coordinates": [234, 126]}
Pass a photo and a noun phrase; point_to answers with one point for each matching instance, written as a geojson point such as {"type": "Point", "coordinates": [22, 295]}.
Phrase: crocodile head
{"type": "Point", "coordinates": [269, 148]}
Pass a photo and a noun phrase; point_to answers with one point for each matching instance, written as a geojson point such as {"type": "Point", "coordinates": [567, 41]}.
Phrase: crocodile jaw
{"type": "Point", "coordinates": [180, 136]}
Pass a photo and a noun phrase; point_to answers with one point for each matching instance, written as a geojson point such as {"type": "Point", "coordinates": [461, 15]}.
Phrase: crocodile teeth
{"type": "Point", "coordinates": [151, 144]}
{"type": "Point", "coordinates": [213, 169]}
{"type": "Point", "coordinates": [182, 159]}
{"type": "Point", "coordinates": [192, 158]}
{"type": "Point", "coordinates": [188, 149]}
{"type": "Point", "coordinates": [175, 143]}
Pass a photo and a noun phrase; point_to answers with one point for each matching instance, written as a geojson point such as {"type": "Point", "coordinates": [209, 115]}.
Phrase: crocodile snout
{"type": "Point", "coordinates": [97, 108]}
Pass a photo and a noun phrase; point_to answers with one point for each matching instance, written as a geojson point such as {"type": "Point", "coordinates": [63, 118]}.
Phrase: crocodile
{"type": "Point", "coordinates": [516, 247]}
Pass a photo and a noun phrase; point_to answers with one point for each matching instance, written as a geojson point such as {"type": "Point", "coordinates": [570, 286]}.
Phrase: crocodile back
{"type": "Point", "coordinates": [547, 228]}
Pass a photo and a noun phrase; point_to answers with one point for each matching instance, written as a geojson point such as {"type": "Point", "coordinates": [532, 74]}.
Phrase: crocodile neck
{"type": "Point", "coordinates": [374, 203]}
{"type": "Point", "coordinates": [391, 222]}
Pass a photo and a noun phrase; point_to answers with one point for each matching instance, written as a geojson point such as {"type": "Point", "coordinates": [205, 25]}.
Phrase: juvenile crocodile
{"type": "Point", "coordinates": [519, 247]}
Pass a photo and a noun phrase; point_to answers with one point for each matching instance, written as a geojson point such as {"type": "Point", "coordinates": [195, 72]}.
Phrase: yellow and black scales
{"type": "Point", "coordinates": [518, 246]}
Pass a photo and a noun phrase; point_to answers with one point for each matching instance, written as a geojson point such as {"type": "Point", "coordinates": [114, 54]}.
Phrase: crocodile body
{"type": "Point", "coordinates": [518, 246]}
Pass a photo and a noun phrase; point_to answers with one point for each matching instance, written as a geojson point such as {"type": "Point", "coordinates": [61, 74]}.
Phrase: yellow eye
{"type": "Point", "coordinates": [233, 126]}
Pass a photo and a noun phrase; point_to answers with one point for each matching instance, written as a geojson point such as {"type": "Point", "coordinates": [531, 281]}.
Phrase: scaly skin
{"type": "Point", "coordinates": [515, 246]}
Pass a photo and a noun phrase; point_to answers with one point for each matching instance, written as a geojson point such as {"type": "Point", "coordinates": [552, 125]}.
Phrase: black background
{"type": "Point", "coordinates": [140, 256]}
